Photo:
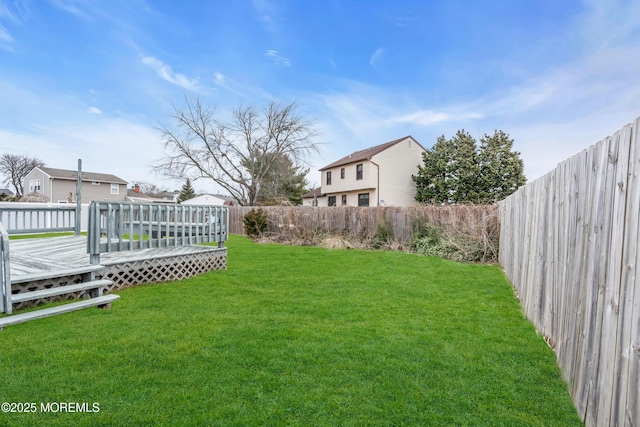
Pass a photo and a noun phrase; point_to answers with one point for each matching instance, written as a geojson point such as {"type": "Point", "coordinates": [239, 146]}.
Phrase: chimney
{"type": "Point", "coordinates": [136, 188]}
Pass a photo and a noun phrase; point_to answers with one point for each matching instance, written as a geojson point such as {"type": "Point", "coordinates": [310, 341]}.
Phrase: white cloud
{"type": "Point", "coordinates": [277, 58]}
{"type": "Point", "coordinates": [69, 6]}
{"type": "Point", "coordinates": [94, 110]}
{"type": "Point", "coordinates": [6, 40]}
{"type": "Point", "coordinates": [108, 145]}
{"type": "Point", "coordinates": [430, 118]}
{"type": "Point", "coordinates": [165, 72]}
{"type": "Point", "coordinates": [376, 59]}
{"type": "Point", "coordinates": [265, 11]}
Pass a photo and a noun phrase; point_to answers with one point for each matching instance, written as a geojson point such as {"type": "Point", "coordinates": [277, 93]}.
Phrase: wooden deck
{"type": "Point", "coordinates": [32, 257]}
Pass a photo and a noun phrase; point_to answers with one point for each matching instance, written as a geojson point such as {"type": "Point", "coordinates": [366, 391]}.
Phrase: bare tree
{"type": "Point", "coordinates": [239, 153]}
{"type": "Point", "coordinates": [150, 189]}
{"type": "Point", "coordinates": [14, 168]}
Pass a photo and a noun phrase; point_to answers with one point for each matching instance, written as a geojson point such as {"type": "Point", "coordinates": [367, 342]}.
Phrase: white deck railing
{"type": "Point", "coordinates": [113, 227]}
{"type": "Point", "coordinates": [127, 226]}
{"type": "Point", "coordinates": [28, 218]}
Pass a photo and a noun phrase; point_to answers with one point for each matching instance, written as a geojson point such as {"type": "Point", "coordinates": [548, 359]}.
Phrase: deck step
{"type": "Point", "coordinates": [59, 290]}
{"type": "Point", "coordinates": [65, 308]}
{"type": "Point", "coordinates": [43, 275]}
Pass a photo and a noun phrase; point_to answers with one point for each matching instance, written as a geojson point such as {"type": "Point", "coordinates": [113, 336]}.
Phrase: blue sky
{"type": "Point", "coordinates": [94, 79]}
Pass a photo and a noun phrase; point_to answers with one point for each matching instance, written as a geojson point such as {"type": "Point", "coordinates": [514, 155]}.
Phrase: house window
{"type": "Point", "coordinates": [332, 201]}
{"type": "Point", "coordinates": [115, 189]}
{"type": "Point", "coordinates": [344, 199]}
{"type": "Point", "coordinates": [342, 173]}
{"type": "Point", "coordinates": [359, 171]}
{"type": "Point", "coordinates": [34, 185]}
{"type": "Point", "coordinates": [363, 199]}
{"type": "Point", "coordinates": [329, 178]}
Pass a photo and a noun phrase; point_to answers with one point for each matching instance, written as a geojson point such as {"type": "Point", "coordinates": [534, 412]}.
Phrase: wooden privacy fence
{"type": "Point", "coordinates": [569, 244]}
{"type": "Point", "coordinates": [299, 221]}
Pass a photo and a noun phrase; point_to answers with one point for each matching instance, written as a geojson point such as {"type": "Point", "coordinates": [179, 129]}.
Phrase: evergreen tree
{"type": "Point", "coordinates": [502, 169]}
{"type": "Point", "coordinates": [186, 192]}
{"type": "Point", "coordinates": [464, 168]}
{"type": "Point", "coordinates": [458, 171]}
{"type": "Point", "coordinates": [283, 183]}
{"type": "Point", "coordinates": [434, 179]}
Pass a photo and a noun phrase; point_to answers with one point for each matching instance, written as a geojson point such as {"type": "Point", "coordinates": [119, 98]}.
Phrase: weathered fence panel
{"type": "Point", "coordinates": [296, 221]}
{"type": "Point", "coordinates": [569, 245]}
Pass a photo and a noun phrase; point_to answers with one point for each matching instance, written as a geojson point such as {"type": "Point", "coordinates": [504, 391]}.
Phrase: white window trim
{"type": "Point", "coordinates": [34, 185]}
{"type": "Point", "coordinates": [115, 188]}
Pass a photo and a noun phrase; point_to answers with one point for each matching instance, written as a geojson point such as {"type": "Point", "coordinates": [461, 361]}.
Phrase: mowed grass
{"type": "Point", "coordinates": [295, 336]}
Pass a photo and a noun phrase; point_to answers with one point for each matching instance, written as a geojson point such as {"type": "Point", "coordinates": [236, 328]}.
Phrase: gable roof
{"type": "Point", "coordinates": [367, 153]}
{"type": "Point", "coordinates": [316, 192]}
{"type": "Point", "coordinates": [86, 176]}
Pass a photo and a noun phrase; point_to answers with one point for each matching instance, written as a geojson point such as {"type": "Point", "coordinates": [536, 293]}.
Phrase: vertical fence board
{"type": "Point", "coordinates": [632, 416]}
{"type": "Point", "coordinates": [569, 245]}
{"type": "Point", "coordinates": [625, 351]}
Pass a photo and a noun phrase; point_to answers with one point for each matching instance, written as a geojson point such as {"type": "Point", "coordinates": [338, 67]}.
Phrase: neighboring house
{"type": "Point", "coordinates": [59, 185]}
{"type": "Point", "coordinates": [170, 196]}
{"type": "Point", "coordinates": [5, 192]}
{"type": "Point", "coordinates": [376, 176]}
{"type": "Point", "coordinates": [311, 198]}
{"type": "Point", "coordinates": [135, 195]}
{"type": "Point", "coordinates": [208, 200]}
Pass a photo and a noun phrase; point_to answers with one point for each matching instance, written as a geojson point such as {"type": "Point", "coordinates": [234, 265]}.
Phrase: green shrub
{"type": "Point", "coordinates": [430, 241]}
{"type": "Point", "coordinates": [255, 222]}
{"type": "Point", "coordinates": [384, 234]}
{"type": "Point", "coordinates": [446, 242]}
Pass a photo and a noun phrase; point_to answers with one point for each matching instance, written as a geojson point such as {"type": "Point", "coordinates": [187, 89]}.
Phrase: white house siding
{"type": "Point", "coordinates": [350, 185]}
{"type": "Point", "coordinates": [205, 199]}
{"type": "Point", "coordinates": [397, 164]}
{"type": "Point", "coordinates": [386, 176]}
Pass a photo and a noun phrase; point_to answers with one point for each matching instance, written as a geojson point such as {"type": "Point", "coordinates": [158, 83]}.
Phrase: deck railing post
{"type": "Point", "coordinates": [5, 303]}
{"type": "Point", "coordinates": [93, 233]}
{"type": "Point", "coordinates": [78, 223]}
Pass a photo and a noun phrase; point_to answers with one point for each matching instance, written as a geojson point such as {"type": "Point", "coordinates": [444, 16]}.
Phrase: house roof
{"type": "Point", "coordinates": [207, 199]}
{"type": "Point", "coordinates": [367, 153]}
{"type": "Point", "coordinates": [137, 196]}
{"type": "Point", "coordinates": [86, 176]}
{"type": "Point", "coordinates": [316, 192]}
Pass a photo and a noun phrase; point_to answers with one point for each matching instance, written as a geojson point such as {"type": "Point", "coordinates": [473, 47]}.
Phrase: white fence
{"type": "Point", "coordinates": [569, 244]}
{"type": "Point", "coordinates": [25, 217]}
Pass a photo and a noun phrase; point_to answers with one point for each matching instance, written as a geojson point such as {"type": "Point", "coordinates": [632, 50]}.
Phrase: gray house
{"type": "Point", "coordinates": [59, 185]}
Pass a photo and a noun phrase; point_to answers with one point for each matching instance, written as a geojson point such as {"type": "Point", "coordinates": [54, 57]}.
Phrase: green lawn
{"type": "Point", "coordinates": [295, 336]}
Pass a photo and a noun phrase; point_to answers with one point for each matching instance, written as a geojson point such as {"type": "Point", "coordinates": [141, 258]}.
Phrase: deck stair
{"type": "Point", "coordinates": [95, 288]}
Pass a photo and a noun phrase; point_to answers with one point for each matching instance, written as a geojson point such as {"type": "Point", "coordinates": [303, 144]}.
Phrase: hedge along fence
{"type": "Point", "coordinates": [308, 223]}
{"type": "Point", "coordinates": [570, 246]}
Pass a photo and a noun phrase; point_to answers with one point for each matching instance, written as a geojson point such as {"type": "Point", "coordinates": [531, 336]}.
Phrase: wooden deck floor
{"type": "Point", "coordinates": [32, 256]}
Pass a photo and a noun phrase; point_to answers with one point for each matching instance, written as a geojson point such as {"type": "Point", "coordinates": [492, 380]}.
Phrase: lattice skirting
{"type": "Point", "coordinates": [165, 269]}
{"type": "Point", "coordinates": [38, 285]}
{"type": "Point", "coordinates": [131, 273]}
